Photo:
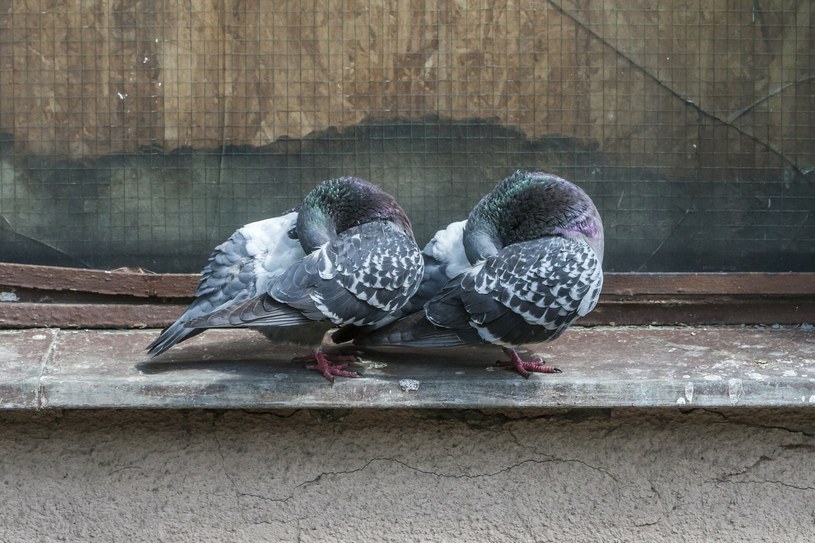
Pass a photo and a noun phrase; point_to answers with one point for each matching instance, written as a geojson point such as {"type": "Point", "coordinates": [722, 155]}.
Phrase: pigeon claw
{"type": "Point", "coordinates": [326, 366]}
{"type": "Point", "coordinates": [524, 367]}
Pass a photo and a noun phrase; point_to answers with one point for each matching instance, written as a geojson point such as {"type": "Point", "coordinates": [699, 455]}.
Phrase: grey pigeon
{"type": "Point", "coordinates": [534, 246]}
{"type": "Point", "coordinates": [346, 256]}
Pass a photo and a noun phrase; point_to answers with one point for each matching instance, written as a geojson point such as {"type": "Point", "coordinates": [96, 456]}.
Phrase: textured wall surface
{"type": "Point", "coordinates": [620, 475]}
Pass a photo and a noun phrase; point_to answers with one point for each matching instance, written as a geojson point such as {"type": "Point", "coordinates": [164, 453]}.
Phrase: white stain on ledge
{"type": "Point", "coordinates": [689, 391]}
{"type": "Point", "coordinates": [9, 297]}
{"type": "Point", "coordinates": [735, 390]}
{"type": "Point", "coordinates": [686, 347]}
{"type": "Point", "coordinates": [409, 385]}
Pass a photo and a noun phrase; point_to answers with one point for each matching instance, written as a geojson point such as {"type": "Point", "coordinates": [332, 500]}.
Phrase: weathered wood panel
{"type": "Point", "coordinates": [714, 84]}
{"type": "Point", "coordinates": [116, 282]}
{"type": "Point", "coordinates": [144, 284]}
{"type": "Point", "coordinates": [77, 298]}
{"type": "Point", "coordinates": [640, 311]}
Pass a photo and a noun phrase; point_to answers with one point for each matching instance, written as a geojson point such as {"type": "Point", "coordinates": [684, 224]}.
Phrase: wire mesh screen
{"type": "Point", "coordinates": [142, 133]}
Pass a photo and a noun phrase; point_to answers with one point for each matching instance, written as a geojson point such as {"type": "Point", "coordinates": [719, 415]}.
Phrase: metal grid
{"type": "Point", "coordinates": [142, 134]}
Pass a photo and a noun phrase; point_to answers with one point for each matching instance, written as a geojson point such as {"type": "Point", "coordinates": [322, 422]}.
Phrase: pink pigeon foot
{"type": "Point", "coordinates": [525, 366]}
{"type": "Point", "coordinates": [326, 366]}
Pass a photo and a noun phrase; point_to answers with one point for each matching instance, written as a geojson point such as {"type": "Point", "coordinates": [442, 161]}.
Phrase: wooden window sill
{"type": "Point", "coordinates": [603, 367]}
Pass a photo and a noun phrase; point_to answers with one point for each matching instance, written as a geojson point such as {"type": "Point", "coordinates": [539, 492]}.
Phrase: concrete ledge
{"type": "Point", "coordinates": [602, 367]}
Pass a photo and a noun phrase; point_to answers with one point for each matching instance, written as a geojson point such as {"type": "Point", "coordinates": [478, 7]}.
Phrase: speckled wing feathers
{"type": "Point", "coordinates": [443, 259]}
{"type": "Point", "coordinates": [531, 291]}
{"type": "Point", "coordinates": [358, 278]}
{"type": "Point", "coordinates": [528, 292]}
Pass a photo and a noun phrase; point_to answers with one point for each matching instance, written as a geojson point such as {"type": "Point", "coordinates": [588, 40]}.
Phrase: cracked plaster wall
{"type": "Point", "coordinates": [595, 475]}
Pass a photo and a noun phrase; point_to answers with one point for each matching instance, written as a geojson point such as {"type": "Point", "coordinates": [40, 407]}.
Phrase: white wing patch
{"type": "Point", "coordinates": [271, 248]}
{"type": "Point", "coordinates": [487, 336]}
{"type": "Point", "coordinates": [447, 247]}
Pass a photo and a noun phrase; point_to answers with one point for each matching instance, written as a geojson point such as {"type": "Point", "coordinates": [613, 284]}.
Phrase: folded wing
{"type": "Point", "coordinates": [528, 292]}
{"type": "Point", "coordinates": [238, 269]}
{"type": "Point", "coordinates": [358, 278]}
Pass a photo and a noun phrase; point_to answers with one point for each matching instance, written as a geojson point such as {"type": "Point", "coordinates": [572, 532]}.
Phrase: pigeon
{"type": "Point", "coordinates": [346, 256]}
{"type": "Point", "coordinates": [534, 249]}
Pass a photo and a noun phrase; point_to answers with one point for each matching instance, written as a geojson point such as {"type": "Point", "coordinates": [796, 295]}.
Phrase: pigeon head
{"type": "Point", "coordinates": [527, 206]}
{"type": "Point", "coordinates": [336, 205]}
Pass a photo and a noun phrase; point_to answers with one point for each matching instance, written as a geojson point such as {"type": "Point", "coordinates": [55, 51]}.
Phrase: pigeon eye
{"type": "Point", "coordinates": [292, 233]}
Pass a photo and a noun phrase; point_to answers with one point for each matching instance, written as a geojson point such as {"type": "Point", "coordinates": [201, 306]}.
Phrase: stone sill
{"type": "Point", "coordinates": [603, 367]}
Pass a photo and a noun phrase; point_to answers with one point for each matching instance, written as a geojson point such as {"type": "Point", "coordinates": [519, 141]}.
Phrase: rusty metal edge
{"type": "Point", "coordinates": [142, 284]}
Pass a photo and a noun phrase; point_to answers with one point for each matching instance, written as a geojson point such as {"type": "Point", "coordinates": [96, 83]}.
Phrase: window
{"type": "Point", "coordinates": [143, 135]}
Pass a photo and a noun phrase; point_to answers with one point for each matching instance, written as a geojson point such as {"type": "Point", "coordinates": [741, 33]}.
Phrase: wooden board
{"type": "Point", "coordinates": [142, 284]}
{"type": "Point", "coordinates": [78, 298]}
